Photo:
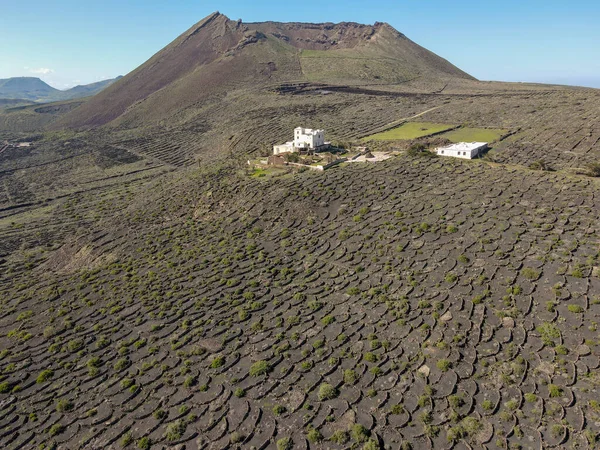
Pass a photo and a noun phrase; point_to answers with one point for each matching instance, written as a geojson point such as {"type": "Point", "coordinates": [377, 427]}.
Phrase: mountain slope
{"type": "Point", "coordinates": [34, 89]}
{"type": "Point", "coordinates": [218, 56]}
{"type": "Point", "coordinates": [12, 102]}
{"type": "Point", "coordinates": [354, 53]}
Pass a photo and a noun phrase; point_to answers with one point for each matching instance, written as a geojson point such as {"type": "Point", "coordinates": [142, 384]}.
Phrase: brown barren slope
{"type": "Point", "coordinates": [218, 55]}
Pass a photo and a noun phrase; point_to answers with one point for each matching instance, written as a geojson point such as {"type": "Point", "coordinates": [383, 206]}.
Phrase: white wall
{"type": "Point", "coordinates": [278, 149]}
{"type": "Point", "coordinates": [464, 154]}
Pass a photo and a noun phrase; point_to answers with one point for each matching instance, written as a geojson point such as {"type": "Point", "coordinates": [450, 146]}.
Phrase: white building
{"type": "Point", "coordinates": [304, 139]}
{"type": "Point", "coordinates": [465, 150]}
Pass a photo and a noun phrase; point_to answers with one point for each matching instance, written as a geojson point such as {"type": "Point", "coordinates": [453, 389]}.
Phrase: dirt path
{"type": "Point", "coordinates": [399, 122]}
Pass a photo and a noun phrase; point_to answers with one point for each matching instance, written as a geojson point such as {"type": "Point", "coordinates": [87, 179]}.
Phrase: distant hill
{"type": "Point", "coordinates": [27, 88]}
{"type": "Point", "coordinates": [218, 55]}
{"type": "Point", "coordinates": [12, 102]}
{"type": "Point", "coordinates": [36, 90]}
{"type": "Point", "coordinates": [87, 90]}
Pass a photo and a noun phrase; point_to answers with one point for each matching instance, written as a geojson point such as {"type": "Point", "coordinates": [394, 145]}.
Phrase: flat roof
{"type": "Point", "coordinates": [309, 130]}
{"type": "Point", "coordinates": [466, 146]}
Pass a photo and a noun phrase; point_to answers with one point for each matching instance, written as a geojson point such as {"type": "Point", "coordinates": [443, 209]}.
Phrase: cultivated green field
{"type": "Point", "coordinates": [475, 135]}
{"type": "Point", "coordinates": [409, 130]}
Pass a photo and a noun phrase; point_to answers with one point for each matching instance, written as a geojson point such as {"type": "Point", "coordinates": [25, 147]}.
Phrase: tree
{"type": "Point", "coordinates": [593, 169]}
{"type": "Point", "coordinates": [419, 149]}
{"type": "Point", "coordinates": [292, 157]}
{"type": "Point", "coordinates": [539, 165]}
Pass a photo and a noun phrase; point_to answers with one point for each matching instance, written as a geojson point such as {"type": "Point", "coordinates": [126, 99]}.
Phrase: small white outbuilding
{"type": "Point", "coordinates": [465, 150]}
{"type": "Point", "coordinates": [288, 147]}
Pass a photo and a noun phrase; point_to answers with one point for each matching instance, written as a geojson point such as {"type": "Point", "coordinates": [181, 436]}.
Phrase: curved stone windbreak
{"type": "Point", "coordinates": [416, 302]}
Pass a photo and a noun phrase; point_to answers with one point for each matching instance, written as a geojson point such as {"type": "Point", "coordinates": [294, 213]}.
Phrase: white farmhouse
{"type": "Point", "coordinates": [305, 139]}
{"type": "Point", "coordinates": [465, 150]}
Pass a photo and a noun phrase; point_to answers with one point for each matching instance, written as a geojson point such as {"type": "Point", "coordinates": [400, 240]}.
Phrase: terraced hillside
{"type": "Point", "coordinates": [57, 186]}
{"type": "Point", "coordinates": [32, 118]}
{"type": "Point", "coordinates": [555, 124]}
{"type": "Point", "coordinates": [155, 292]}
{"type": "Point", "coordinates": [416, 303]}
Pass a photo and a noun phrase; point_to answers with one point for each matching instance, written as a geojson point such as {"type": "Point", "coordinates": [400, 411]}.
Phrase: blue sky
{"type": "Point", "coordinates": [68, 42]}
